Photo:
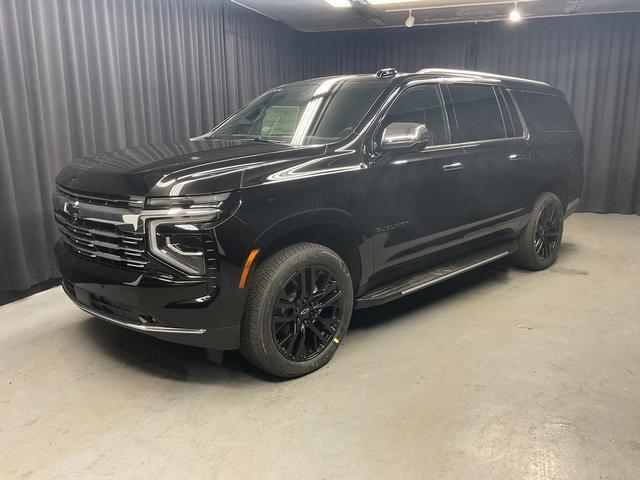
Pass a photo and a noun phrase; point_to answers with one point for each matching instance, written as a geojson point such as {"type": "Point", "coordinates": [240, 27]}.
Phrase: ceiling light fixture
{"type": "Point", "coordinates": [515, 16]}
{"type": "Point", "coordinates": [410, 21]}
{"type": "Point", "coordinates": [383, 2]}
{"type": "Point", "coordinates": [339, 3]}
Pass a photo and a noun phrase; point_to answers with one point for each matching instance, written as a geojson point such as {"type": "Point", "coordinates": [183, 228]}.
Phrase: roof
{"type": "Point", "coordinates": [444, 73]}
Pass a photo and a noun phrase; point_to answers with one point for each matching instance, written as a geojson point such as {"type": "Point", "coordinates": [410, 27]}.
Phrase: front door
{"type": "Point", "coordinates": [417, 196]}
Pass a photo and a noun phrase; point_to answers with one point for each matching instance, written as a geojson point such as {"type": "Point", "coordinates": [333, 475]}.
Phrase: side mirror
{"type": "Point", "coordinates": [405, 136]}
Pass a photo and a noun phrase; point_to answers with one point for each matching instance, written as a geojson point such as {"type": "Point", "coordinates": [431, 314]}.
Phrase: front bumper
{"type": "Point", "coordinates": [151, 305]}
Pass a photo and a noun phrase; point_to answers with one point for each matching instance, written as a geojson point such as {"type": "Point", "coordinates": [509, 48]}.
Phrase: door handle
{"type": "Point", "coordinates": [452, 166]}
{"type": "Point", "coordinates": [517, 156]}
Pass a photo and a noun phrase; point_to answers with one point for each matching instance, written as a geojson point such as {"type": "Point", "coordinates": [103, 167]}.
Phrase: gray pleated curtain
{"type": "Point", "coordinates": [594, 59]}
{"type": "Point", "coordinates": [84, 76]}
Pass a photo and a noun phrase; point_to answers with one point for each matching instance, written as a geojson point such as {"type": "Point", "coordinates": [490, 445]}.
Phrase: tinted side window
{"type": "Point", "coordinates": [511, 117]}
{"type": "Point", "coordinates": [420, 104]}
{"type": "Point", "coordinates": [477, 114]}
{"type": "Point", "coordinates": [513, 113]}
{"type": "Point", "coordinates": [552, 111]}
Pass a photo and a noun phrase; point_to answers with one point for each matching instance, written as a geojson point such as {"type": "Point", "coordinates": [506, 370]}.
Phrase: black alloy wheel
{"type": "Point", "coordinates": [547, 232]}
{"type": "Point", "coordinates": [298, 310]}
{"type": "Point", "coordinates": [307, 313]}
{"type": "Point", "coordinates": [539, 242]}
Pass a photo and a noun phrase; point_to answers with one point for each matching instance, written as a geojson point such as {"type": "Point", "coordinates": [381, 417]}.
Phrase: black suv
{"type": "Point", "coordinates": [316, 198]}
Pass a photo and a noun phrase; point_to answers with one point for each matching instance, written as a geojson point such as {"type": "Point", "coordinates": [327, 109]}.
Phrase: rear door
{"type": "Point", "coordinates": [495, 154]}
{"type": "Point", "coordinates": [523, 186]}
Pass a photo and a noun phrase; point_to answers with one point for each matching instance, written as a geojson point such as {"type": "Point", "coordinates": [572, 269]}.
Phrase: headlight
{"type": "Point", "coordinates": [179, 243]}
{"type": "Point", "coordinates": [179, 227]}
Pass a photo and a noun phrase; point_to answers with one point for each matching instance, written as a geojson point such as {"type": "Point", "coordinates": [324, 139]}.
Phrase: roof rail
{"type": "Point", "coordinates": [470, 73]}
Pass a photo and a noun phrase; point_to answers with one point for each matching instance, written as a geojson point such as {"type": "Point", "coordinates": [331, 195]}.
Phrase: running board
{"type": "Point", "coordinates": [434, 275]}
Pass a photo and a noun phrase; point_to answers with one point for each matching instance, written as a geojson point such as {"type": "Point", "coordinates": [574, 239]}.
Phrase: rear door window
{"type": "Point", "coordinates": [477, 115]}
{"type": "Point", "coordinates": [510, 114]}
{"type": "Point", "coordinates": [552, 111]}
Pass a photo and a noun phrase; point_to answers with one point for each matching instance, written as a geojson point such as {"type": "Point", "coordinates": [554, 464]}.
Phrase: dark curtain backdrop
{"type": "Point", "coordinates": [84, 76]}
{"type": "Point", "coordinates": [595, 60]}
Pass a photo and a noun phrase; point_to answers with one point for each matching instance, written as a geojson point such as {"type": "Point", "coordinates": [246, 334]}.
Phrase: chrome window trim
{"type": "Point", "coordinates": [400, 89]}
{"type": "Point", "coordinates": [472, 144]}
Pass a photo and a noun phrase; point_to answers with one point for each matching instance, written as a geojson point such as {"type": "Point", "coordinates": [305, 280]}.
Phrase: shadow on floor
{"type": "Point", "coordinates": [185, 363]}
{"type": "Point", "coordinates": [424, 300]}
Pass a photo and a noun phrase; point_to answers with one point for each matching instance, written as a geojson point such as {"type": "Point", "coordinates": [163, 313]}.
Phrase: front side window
{"type": "Point", "coordinates": [306, 113]}
{"type": "Point", "coordinates": [477, 115]}
{"type": "Point", "coordinates": [420, 104]}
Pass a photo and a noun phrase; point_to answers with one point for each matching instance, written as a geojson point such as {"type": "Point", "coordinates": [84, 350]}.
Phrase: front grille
{"type": "Point", "coordinates": [101, 240]}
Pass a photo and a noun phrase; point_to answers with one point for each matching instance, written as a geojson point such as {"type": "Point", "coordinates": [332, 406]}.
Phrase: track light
{"type": "Point", "coordinates": [515, 16]}
{"type": "Point", "coordinates": [410, 21]}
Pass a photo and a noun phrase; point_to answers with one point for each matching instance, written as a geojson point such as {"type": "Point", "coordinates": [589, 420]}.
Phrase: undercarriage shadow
{"type": "Point", "coordinates": [423, 300]}
{"type": "Point", "coordinates": [190, 364]}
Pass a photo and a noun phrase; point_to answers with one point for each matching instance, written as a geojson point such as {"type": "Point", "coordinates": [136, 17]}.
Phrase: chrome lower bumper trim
{"type": "Point", "coordinates": [139, 328]}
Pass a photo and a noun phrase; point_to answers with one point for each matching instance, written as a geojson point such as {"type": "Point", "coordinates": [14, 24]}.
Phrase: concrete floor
{"type": "Point", "coordinates": [499, 374]}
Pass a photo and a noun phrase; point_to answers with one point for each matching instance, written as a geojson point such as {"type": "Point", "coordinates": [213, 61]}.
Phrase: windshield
{"type": "Point", "coordinates": [306, 113]}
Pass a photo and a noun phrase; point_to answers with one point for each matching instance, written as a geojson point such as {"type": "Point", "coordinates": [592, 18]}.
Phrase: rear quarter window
{"type": "Point", "coordinates": [552, 112]}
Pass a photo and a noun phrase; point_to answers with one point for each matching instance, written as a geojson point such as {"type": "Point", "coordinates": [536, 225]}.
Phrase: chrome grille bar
{"type": "Point", "coordinates": [113, 233]}
{"type": "Point", "coordinates": [94, 228]}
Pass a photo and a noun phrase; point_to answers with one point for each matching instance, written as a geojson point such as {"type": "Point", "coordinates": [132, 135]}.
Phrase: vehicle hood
{"type": "Point", "coordinates": [181, 168]}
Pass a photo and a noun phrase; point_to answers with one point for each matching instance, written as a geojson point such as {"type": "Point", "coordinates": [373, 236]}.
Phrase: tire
{"type": "Point", "coordinates": [539, 242]}
{"type": "Point", "coordinates": [286, 330]}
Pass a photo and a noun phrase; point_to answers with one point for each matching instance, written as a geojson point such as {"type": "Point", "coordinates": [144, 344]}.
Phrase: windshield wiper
{"type": "Point", "coordinates": [254, 138]}
{"type": "Point", "coordinates": [265, 140]}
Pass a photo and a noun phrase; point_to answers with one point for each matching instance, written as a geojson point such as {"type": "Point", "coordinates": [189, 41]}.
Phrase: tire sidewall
{"type": "Point", "coordinates": [545, 200]}
{"type": "Point", "coordinates": [270, 353]}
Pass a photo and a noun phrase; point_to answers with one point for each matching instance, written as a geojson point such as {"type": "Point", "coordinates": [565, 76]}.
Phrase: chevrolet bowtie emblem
{"type": "Point", "coordinates": [72, 209]}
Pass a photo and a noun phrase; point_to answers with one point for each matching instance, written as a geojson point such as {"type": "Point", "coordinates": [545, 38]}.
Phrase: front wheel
{"type": "Point", "coordinates": [540, 240]}
{"type": "Point", "coordinates": [298, 310]}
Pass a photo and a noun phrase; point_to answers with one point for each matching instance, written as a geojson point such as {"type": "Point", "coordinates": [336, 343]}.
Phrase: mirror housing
{"type": "Point", "coordinates": [405, 136]}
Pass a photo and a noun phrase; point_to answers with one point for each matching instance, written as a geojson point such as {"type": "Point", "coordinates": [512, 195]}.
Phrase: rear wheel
{"type": "Point", "coordinates": [298, 310]}
{"type": "Point", "coordinates": [540, 240]}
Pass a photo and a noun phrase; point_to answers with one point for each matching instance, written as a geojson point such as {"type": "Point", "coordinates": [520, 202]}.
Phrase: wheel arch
{"type": "Point", "coordinates": [559, 188]}
{"type": "Point", "coordinates": [331, 229]}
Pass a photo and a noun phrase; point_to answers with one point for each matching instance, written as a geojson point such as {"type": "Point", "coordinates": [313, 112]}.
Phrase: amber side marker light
{"type": "Point", "coordinates": [247, 267]}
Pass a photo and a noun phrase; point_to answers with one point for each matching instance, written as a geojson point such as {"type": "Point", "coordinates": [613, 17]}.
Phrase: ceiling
{"type": "Point", "coordinates": [318, 15]}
